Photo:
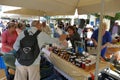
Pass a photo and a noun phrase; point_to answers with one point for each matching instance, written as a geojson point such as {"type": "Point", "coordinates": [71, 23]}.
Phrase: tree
{"type": "Point", "coordinates": [117, 16]}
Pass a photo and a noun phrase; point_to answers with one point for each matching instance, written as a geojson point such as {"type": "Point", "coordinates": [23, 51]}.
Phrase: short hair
{"type": "Point", "coordinates": [11, 24]}
{"type": "Point", "coordinates": [34, 23]}
{"type": "Point", "coordinates": [20, 25]}
{"type": "Point", "coordinates": [72, 27]}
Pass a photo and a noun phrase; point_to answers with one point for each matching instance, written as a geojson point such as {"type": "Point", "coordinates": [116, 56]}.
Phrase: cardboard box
{"type": "Point", "coordinates": [2, 75]}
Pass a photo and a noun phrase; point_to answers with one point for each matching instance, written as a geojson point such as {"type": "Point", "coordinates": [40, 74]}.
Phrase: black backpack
{"type": "Point", "coordinates": [29, 49]}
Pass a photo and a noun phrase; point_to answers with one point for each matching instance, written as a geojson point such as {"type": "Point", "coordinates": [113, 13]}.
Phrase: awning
{"type": "Point", "coordinates": [63, 7]}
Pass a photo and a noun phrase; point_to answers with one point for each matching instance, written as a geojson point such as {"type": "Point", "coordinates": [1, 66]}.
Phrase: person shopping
{"type": "Point", "coordinates": [32, 72]}
{"type": "Point", "coordinates": [106, 39]}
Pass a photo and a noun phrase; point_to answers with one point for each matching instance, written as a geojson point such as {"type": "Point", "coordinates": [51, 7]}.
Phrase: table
{"type": "Point", "coordinates": [71, 71]}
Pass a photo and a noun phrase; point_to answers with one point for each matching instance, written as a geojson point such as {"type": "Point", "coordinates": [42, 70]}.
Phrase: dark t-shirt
{"type": "Point", "coordinates": [73, 38]}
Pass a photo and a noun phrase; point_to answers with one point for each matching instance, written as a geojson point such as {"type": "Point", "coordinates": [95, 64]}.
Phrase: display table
{"type": "Point", "coordinates": [72, 71]}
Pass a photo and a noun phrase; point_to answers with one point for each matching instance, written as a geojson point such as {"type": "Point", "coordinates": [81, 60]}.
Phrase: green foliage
{"type": "Point", "coordinates": [117, 16]}
{"type": "Point", "coordinates": [109, 17]}
{"type": "Point", "coordinates": [96, 15]}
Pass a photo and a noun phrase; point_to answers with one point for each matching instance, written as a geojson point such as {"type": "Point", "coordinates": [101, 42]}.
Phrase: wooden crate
{"type": "Point", "coordinates": [2, 75]}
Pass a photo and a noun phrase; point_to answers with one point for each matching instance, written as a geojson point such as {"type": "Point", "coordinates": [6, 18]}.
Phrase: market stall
{"type": "Point", "coordinates": [70, 69]}
{"type": "Point", "coordinates": [76, 73]}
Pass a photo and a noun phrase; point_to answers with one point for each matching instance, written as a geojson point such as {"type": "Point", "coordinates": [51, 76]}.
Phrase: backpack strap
{"type": "Point", "coordinates": [26, 33]}
{"type": "Point", "coordinates": [36, 33]}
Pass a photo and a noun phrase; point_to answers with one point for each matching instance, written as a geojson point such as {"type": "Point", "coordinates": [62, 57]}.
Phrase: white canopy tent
{"type": "Point", "coordinates": [24, 11]}
{"type": "Point", "coordinates": [65, 7]}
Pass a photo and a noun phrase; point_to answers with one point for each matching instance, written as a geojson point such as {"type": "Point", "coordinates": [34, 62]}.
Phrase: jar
{"type": "Point", "coordinates": [77, 62]}
{"type": "Point", "coordinates": [61, 55]}
{"type": "Point", "coordinates": [94, 64]}
{"type": "Point", "coordinates": [82, 58]}
{"type": "Point", "coordinates": [87, 67]}
{"type": "Point", "coordinates": [83, 65]}
{"type": "Point", "coordinates": [72, 58]}
{"type": "Point", "coordinates": [90, 66]}
{"type": "Point", "coordinates": [88, 59]}
{"type": "Point", "coordinates": [68, 57]}
{"type": "Point", "coordinates": [56, 51]}
{"type": "Point", "coordinates": [80, 62]}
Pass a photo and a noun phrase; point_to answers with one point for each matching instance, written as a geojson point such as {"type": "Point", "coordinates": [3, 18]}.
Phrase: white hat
{"type": "Point", "coordinates": [89, 26]}
{"type": "Point", "coordinates": [43, 20]}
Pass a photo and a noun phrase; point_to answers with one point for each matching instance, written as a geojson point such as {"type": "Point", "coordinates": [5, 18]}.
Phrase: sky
{"type": "Point", "coordinates": [6, 8]}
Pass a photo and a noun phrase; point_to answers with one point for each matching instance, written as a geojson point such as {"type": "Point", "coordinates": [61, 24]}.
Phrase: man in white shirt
{"type": "Point", "coordinates": [31, 72]}
{"type": "Point", "coordinates": [45, 28]}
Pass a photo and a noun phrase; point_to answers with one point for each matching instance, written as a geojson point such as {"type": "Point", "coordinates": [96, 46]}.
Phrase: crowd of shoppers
{"type": "Point", "coordinates": [15, 32]}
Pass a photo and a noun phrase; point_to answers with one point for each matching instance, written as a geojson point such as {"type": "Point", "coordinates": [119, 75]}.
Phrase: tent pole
{"type": "Point", "coordinates": [99, 40]}
{"type": "Point", "coordinates": [39, 18]}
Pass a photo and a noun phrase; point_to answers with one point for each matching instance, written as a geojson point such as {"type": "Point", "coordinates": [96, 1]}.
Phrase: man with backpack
{"type": "Point", "coordinates": [27, 46]}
